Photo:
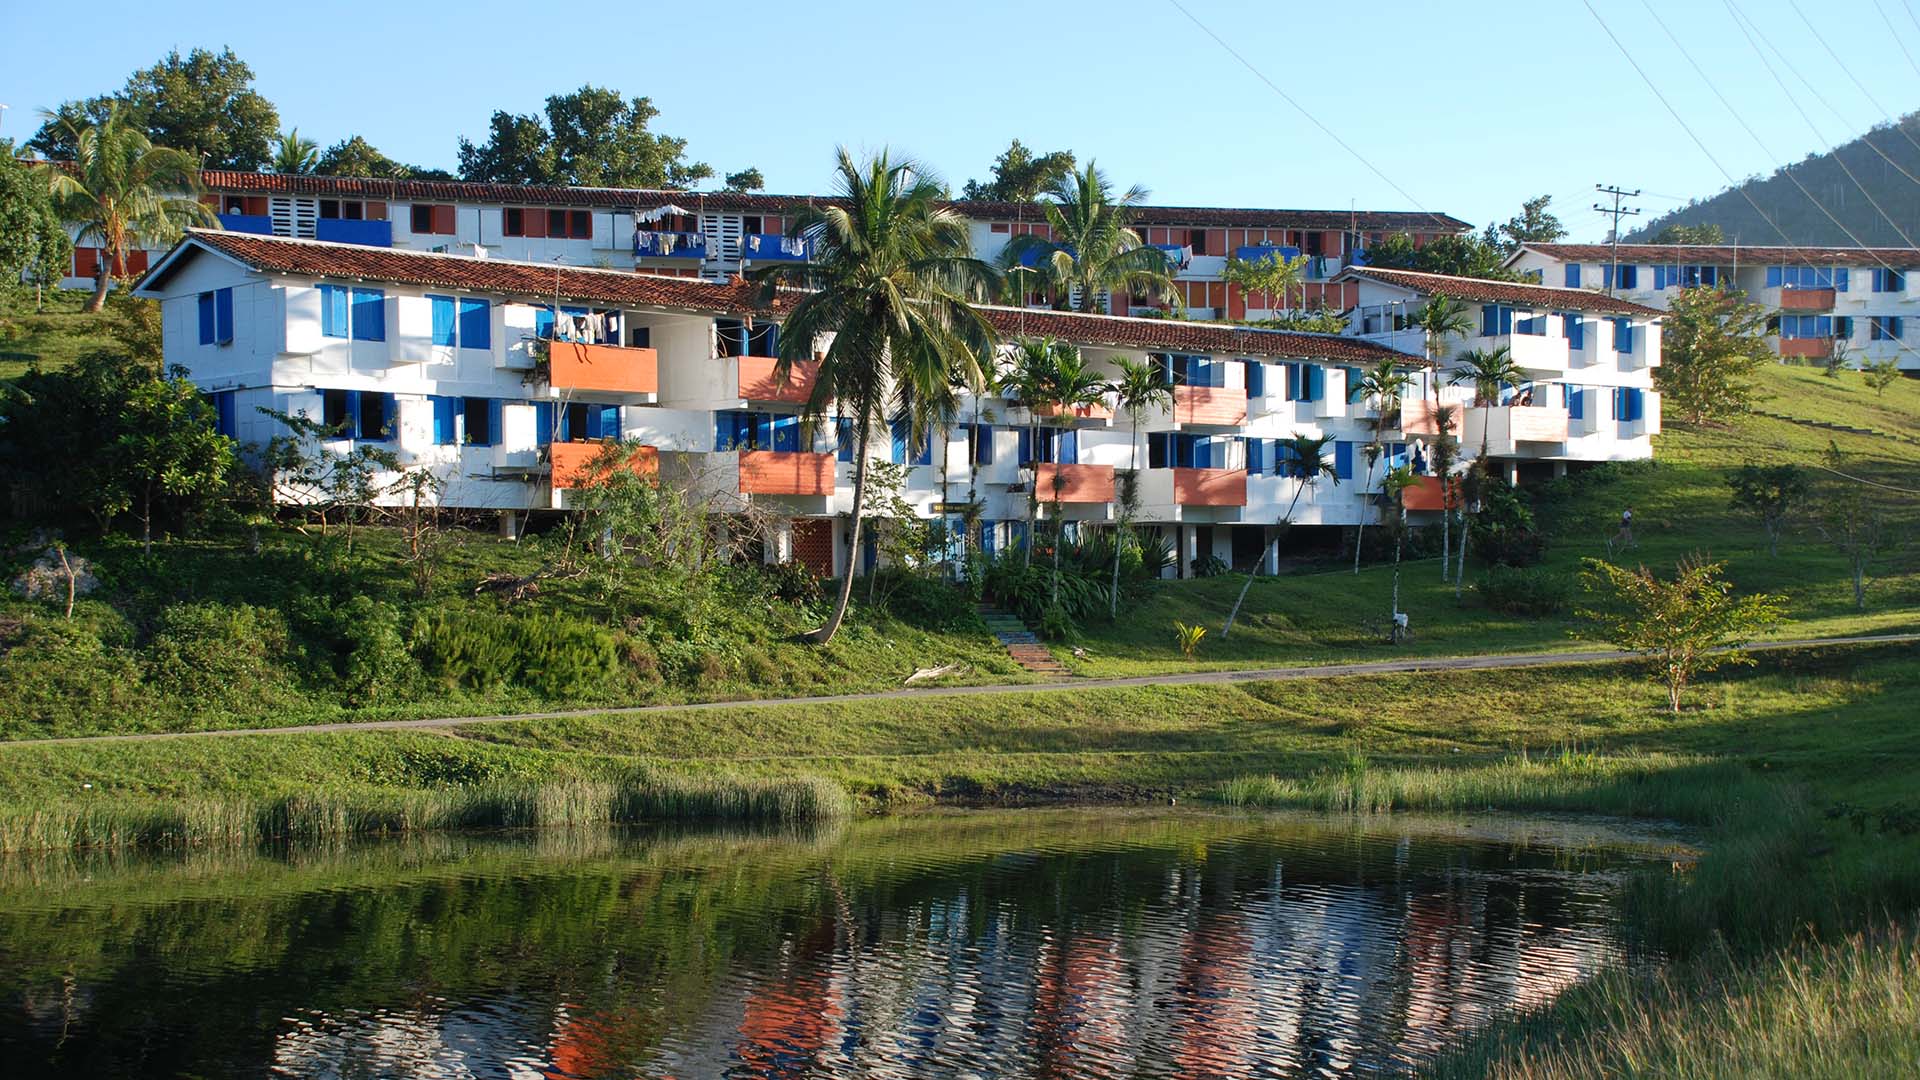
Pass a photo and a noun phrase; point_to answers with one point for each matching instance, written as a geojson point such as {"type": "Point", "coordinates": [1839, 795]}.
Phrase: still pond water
{"type": "Point", "coordinates": [989, 944]}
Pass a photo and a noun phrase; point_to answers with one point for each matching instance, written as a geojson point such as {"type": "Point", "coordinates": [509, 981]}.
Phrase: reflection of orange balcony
{"type": "Point", "coordinates": [609, 368]}
{"type": "Point", "coordinates": [1426, 494]}
{"type": "Point", "coordinates": [1806, 347]}
{"type": "Point", "coordinates": [785, 472]}
{"type": "Point", "coordinates": [759, 383]}
{"type": "Point", "coordinates": [1078, 483]}
{"type": "Point", "coordinates": [571, 459]}
{"type": "Point", "coordinates": [1210, 487]}
{"type": "Point", "coordinates": [1078, 412]}
{"type": "Point", "coordinates": [1216, 405]}
{"type": "Point", "coordinates": [1806, 299]}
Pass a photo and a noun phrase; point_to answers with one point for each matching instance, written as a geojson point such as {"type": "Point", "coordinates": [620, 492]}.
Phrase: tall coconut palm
{"type": "Point", "coordinates": [1438, 319]}
{"type": "Point", "coordinates": [1302, 458]}
{"type": "Point", "coordinates": [1138, 390]}
{"type": "Point", "coordinates": [1381, 384]}
{"type": "Point", "coordinates": [892, 283]}
{"type": "Point", "coordinates": [1488, 371]}
{"type": "Point", "coordinates": [1394, 486]}
{"type": "Point", "coordinates": [293, 154]}
{"type": "Point", "coordinates": [123, 192]}
{"type": "Point", "coordinates": [1071, 384]}
{"type": "Point", "coordinates": [1029, 382]}
{"type": "Point", "coordinates": [1092, 249]}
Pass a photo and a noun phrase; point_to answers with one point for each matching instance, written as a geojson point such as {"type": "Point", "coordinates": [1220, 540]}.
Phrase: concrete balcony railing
{"type": "Point", "coordinates": [572, 461]}
{"type": "Point", "coordinates": [612, 369]}
{"type": "Point", "coordinates": [1806, 299]}
{"type": "Point", "coordinates": [1534, 352]}
{"type": "Point", "coordinates": [756, 380]}
{"type": "Point", "coordinates": [1075, 483]}
{"type": "Point", "coordinates": [1209, 406]}
{"type": "Point", "coordinates": [785, 472]}
{"type": "Point", "coordinates": [1094, 413]}
{"type": "Point", "coordinates": [1508, 430]}
{"type": "Point", "coordinates": [1419, 417]}
{"type": "Point", "coordinates": [1806, 348]}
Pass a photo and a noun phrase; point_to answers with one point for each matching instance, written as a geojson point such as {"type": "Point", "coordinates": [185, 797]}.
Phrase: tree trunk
{"type": "Point", "coordinates": [1460, 570]}
{"type": "Point", "coordinates": [1126, 517]}
{"type": "Point", "coordinates": [146, 521]}
{"type": "Point", "coordinates": [1399, 540]}
{"type": "Point", "coordinates": [101, 282]}
{"type": "Point", "coordinates": [1446, 529]}
{"type": "Point", "coordinates": [1285, 523]}
{"type": "Point", "coordinates": [825, 634]}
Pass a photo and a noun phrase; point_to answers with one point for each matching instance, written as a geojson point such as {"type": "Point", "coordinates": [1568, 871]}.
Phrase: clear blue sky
{"type": "Point", "coordinates": [1466, 113]}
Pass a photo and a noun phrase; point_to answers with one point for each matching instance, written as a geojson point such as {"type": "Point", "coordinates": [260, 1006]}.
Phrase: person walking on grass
{"type": "Point", "coordinates": [1623, 539]}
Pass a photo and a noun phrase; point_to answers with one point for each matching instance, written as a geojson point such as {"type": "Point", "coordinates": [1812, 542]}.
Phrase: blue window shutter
{"type": "Point", "coordinates": [987, 529]}
{"type": "Point", "coordinates": [493, 422]}
{"type": "Point", "coordinates": [542, 421]}
{"type": "Point", "coordinates": [543, 322]}
{"type": "Point", "coordinates": [722, 431]}
{"type": "Point", "coordinates": [786, 433]}
{"type": "Point", "coordinates": [1293, 382]}
{"type": "Point", "coordinates": [334, 311]}
{"type": "Point", "coordinates": [1316, 382]}
{"type": "Point", "coordinates": [1067, 448]}
{"type": "Point", "coordinates": [1256, 379]}
{"type": "Point", "coordinates": [1659, 277]}
{"type": "Point", "coordinates": [1895, 325]}
{"type": "Point", "coordinates": [844, 438]}
{"type": "Point", "coordinates": [1573, 275]}
{"type": "Point", "coordinates": [1489, 320]}
{"type": "Point", "coordinates": [1256, 457]}
{"type": "Point", "coordinates": [983, 444]}
{"type": "Point", "coordinates": [1353, 383]}
{"type": "Point", "coordinates": [1343, 460]}
{"type": "Point", "coordinates": [899, 442]}
{"type": "Point", "coordinates": [1840, 279]}
{"type": "Point", "coordinates": [369, 315]}
{"type": "Point", "coordinates": [206, 318]}
{"type": "Point", "coordinates": [763, 431]}
{"type": "Point", "coordinates": [1773, 277]}
{"type": "Point", "coordinates": [223, 316]}
{"type": "Point", "coordinates": [1025, 453]}
{"type": "Point", "coordinates": [476, 324]}
{"type": "Point", "coordinates": [442, 319]}
{"type": "Point", "coordinates": [1185, 447]}
{"type": "Point", "coordinates": [444, 409]}
{"type": "Point", "coordinates": [608, 426]}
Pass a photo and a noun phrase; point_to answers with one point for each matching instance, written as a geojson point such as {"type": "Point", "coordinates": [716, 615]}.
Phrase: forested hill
{"type": "Point", "coordinates": [1876, 159]}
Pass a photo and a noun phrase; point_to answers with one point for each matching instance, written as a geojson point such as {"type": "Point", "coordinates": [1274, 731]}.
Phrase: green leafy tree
{"type": "Point", "coordinates": [1534, 224]}
{"type": "Point", "coordinates": [295, 155]}
{"type": "Point", "coordinates": [1020, 175]}
{"type": "Point", "coordinates": [1712, 345]}
{"type": "Point", "coordinates": [893, 282]}
{"type": "Point", "coordinates": [1440, 318]}
{"type": "Point", "coordinates": [1687, 626]}
{"type": "Point", "coordinates": [1303, 458]}
{"type": "Point", "coordinates": [33, 245]}
{"type": "Point", "coordinates": [1092, 249]}
{"type": "Point", "coordinates": [1461, 256]}
{"type": "Point", "coordinates": [1857, 527]}
{"type": "Point", "coordinates": [1768, 493]}
{"type": "Point", "coordinates": [1689, 234]}
{"type": "Point", "coordinates": [202, 105]}
{"type": "Point", "coordinates": [167, 448]}
{"type": "Point", "coordinates": [1381, 386]}
{"type": "Point", "coordinates": [123, 192]}
{"type": "Point", "coordinates": [592, 137]}
{"type": "Point", "coordinates": [746, 180]}
{"type": "Point", "coordinates": [355, 156]}
{"type": "Point", "coordinates": [345, 486]}
{"type": "Point", "coordinates": [1488, 371]}
{"type": "Point", "coordinates": [1881, 374]}
{"type": "Point", "coordinates": [1270, 274]}
{"type": "Point", "coordinates": [1138, 391]}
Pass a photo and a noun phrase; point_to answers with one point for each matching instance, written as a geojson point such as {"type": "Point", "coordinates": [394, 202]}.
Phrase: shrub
{"type": "Point", "coordinates": [1188, 637]}
{"type": "Point", "coordinates": [930, 603]}
{"type": "Point", "coordinates": [359, 642]}
{"type": "Point", "coordinates": [465, 648]}
{"type": "Point", "coordinates": [790, 582]}
{"type": "Point", "coordinates": [1209, 566]}
{"type": "Point", "coordinates": [60, 674]}
{"type": "Point", "coordinates": [551, 653]}
{"type": "Point", "coordinates": [1525, 591]}
{"type": "Point", "coordinates": [218, 655]}
{"type": "Point", "coordinates": [1503, 529]}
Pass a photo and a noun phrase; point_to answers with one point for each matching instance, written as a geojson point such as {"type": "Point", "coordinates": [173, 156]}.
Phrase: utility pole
{"type": "Point", "coordinates": [1617, 212]}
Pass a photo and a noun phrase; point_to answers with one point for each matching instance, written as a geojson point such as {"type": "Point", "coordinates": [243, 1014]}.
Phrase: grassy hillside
{"type": "Point", "coordinates": [56, 336]}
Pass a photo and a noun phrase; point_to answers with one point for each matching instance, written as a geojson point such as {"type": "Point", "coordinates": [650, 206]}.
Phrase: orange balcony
{"type": "Point", "coordinates": [1215, 405]}
{"type": "Point", "coordinates": [571, 460]}
{"type": "Point", "coordinates": [1419, 418]}
{"type": "Point", "coordinates": [758, 382]}
{"type": "Point", "coordinates": [785, 472]}
{"type": "Point", "coordinates": [1210, 487]}
{"type": "Point", "coordinates": [573, 365]}
{"type": "Point", "coordinates": [1077, 412]}
{"type": "Point", "coordinates": [1806, 348]}
{"type": "Point", "coordinates": [1077, 483]}
{"type": "Point", "coordinates": [1427, 494]}
{"type": "Point", "coordinates": [1806, 299]}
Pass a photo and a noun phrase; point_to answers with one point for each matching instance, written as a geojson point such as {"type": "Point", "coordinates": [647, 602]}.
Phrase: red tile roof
{"type": "Point", "coordinates": [226, 181]}
{"type": "Point", "coordinates": [1728, 254]}
{"type": "Point", "coordinates": [317, 258]}
{"type": "Point", "coordinates": [1482, 291]}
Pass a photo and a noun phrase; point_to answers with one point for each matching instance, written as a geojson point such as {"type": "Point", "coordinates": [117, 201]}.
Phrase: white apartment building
{"type": "Point", "coordinates": [1857, 302]}
{"type": "Point", "coordinates": [1590, 358]}
{"type": "Point", "coordinates": [437, 357]}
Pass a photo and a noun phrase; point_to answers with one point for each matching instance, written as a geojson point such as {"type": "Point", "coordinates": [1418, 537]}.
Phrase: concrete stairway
{"type": "Point", "coordinates": [1022, 644]}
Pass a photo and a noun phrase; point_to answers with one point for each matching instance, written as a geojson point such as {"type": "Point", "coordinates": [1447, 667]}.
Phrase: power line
{"type": "Point", "coordinates": [1304, 111]}
{"type": "Point", "coordinates": [1848, 70]}
{"type": "Point", "coordinates": [1895, 35]}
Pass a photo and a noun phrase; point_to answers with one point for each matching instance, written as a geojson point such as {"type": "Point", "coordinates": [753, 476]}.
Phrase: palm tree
{"type": "Point", "coordinates": [1488, 371]}
{"type": "Point", "coordinates": [1304, 459]}
{"type": "Point", "coordinates": [1029, 382]}
{"type": "Point", "coordinates": [1441, 318]}
{"type": "Point", "coordinates": [1394, 486]}
{"type": "Point", "coordinates": [1272, 274]}
{"type": "Point", "coordinates": [1071, 383]}
{"type": "Point", "coordinates": [124, 191]}
{"type": "Point", "coordinates": [293, 154]}
{"type": "Point", "coordinates": [1382, 383]}
{"type": "Point", "coordinates": [1092, 249]}
{"type": "Point", "coordinates": [1138, 390]}
{"type": "Point", "coordinates": [893, 282]}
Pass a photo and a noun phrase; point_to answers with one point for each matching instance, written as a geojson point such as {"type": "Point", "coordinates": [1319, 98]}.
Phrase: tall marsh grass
{"type": "Point", "coordinates": [315, 816]}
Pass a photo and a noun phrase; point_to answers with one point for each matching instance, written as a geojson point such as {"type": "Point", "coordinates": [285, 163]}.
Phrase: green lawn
{"type": "Point", "coordinates": [53, 337]}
